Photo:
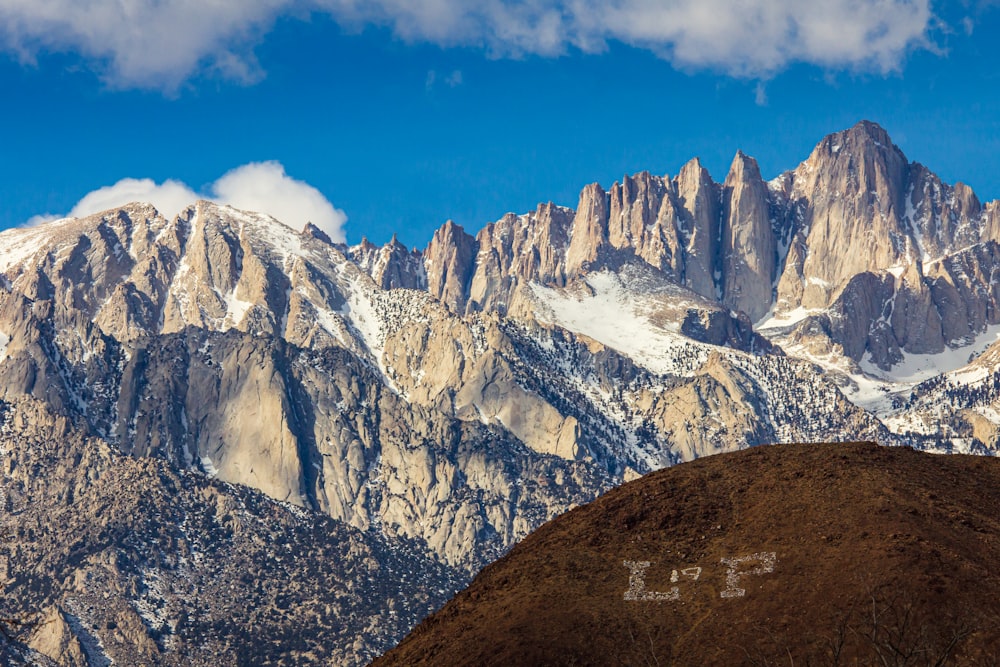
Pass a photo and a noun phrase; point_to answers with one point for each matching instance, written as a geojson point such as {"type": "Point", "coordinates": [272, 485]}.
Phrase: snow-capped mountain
{"type": "Point", "coordinates": [859, 262]}
{"type": "Point", "coordinates": [226, 342]}
{"type": "Point", "coordinates": [457, 397]}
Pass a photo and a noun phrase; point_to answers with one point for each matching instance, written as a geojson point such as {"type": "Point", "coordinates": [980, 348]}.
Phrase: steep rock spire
{"type": "Point", "coordinates": [698, 225]}
{"type": "Point", "coordinates": [449, 261]}
{"type": "Point", "coordinates": [748, 243]}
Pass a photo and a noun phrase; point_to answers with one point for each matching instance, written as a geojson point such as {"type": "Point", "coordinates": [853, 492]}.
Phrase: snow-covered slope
{"type": "Point", "coordinates": [644, 326]}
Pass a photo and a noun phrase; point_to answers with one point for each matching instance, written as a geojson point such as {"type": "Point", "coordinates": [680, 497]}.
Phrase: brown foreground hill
{"type": "Point", "coordinates": [848, 554]}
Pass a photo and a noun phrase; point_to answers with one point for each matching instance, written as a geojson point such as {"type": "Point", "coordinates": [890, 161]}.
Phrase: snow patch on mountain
{"type": "Point", "coordinates": [22, 244]}
{"type": "Point", "coordinates": [788, 319]}
{"type": "Point", "coordinates": [236, 309]}
{"type": "Point", "coordinates": [362, 314]}
{"type": "Point", "coordinates": [285, 240]}
{"type": "Point", "coordinates": [602, 307]}
{"type": "Point", "coordinates": [915, 368]}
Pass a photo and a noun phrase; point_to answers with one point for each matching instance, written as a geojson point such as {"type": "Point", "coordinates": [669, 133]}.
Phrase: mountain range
{"type": "Point", "coordinates": [436, 406]}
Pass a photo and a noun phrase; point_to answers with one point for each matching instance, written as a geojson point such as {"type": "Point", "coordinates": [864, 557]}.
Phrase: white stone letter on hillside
{"type": "Point", "coordinates": [765, 561]}
{"type": "Point", "coordinates": [637, 584]}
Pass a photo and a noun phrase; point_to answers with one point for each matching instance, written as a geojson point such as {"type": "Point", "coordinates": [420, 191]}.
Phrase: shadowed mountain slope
{"type": "Point", "coordinates": [111, 559]}
{"type": "Point", "coordinates": [819, 554]}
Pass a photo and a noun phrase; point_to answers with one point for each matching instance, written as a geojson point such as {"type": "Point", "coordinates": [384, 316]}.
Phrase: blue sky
{"type": "Point", "coordinates": [398, 115]}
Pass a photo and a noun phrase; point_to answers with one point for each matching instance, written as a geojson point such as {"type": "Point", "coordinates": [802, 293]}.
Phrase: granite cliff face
{"type": "Point", "coordinates": [451, 400]}
{"type": "Point", "coordinates": [225, 342]}
{"type": "Point", "coordinates": [856, 209]}
{"type": "Point", "coordinates": [111, 559]}
{"type": "Point", "coordinates": [390, 266]}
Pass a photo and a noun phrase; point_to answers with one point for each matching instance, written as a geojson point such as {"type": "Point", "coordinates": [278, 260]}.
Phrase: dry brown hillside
{"type": "Point", "coordinates": [786, 555]}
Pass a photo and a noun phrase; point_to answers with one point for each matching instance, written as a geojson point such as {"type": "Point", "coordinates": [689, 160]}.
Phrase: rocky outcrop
{"type": "Point", "coordinates": [320, 430]}
{"type": "Point", "coordinates": [698, 224]}
{"type": "Point", "coordinates": [916, 309]}
{"type": "Point", "coordinates": [672, 226]}
{"type": "Point", "coordinates": [54, 639]}
{"type": "Point", "coordinates": [866, 210]}
{"type": "Point", "coordinates": [639, 222]}
{"type": "Point", "coordinates": [853, 187]}
{"type": "Point", "coordinates": [392, 266]}
{"type": "Point", "coordinates": [449, 262]}
{"type": "Point", "coordinates": [121, 560]}
{"type": "Point", "coordinates": [516, 251]}
{"type": "Point", "coordinates": [749, 249]}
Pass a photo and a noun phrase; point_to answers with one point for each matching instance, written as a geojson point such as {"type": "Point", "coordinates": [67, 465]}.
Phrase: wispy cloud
{"type": "Point", "coordinates": [41, 219]}
{"type": "Point", "coordinates": [747, 38]}
{"type": "Point", "coordinates": [162, 43]}
{"type": "Point", "coordinates": [452, 80]}
{"type": "Point", "coordinates": [760, 94]}
{"type": "Point", "coordinates": [263, 187]}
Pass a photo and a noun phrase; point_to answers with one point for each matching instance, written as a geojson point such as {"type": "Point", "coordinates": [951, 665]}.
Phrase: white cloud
{"type": "Point", "coordinates": [266, 188]}
{"type": "Point", "coordinates": [169, 198]}
{"type": "Point", "coordinates": [144, 43]}
{"type": "Point", "coordinates": [40, 219]}
{"type": "Point", "coordinates": [760, 37]}
{"type": "Point", "coordinates": [162, 43]}
{"type": "Point", "coordinates": [263, 187]}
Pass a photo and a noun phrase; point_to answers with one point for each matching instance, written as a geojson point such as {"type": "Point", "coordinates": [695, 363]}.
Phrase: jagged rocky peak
{"type": "Point", "coordinates": [699, 199]}
{"type": "Point", "coordinates": [742, 169]}
{"type": "Point", "coordinates": [865, 148]}
{"type": "Point", "coordinates": [391, 266]}
{"type": "Point", "coordinates": [852, 188]}
{"type": "Point", "coordinates": [590, 229]}
{"type": "Point", "coordinates": [635, 205]}
{"type": "Point", "coordinates": [672, 225]}
{"type": "Point", "coordinates": [449, 262]}
{"type": "Point", "coordinates": [236, 271]}
{"type": "Point", "coordinates": [861, 161]}
{"type": "Point", "coordinates": [855, 208]}
{"type": "Point", "coordinates": [134, 274]}
{"type": "Point", "coordinates": [80, 265]}
{"type": "Point", "coordinates": [517, 250]}
{"type": "Point", "coordinates": [645, 220]}
{"type": "Point", "coordinates": [748, 240]}
{"type": "Point", "coordinates": [943, 218]}
{"type": "Point", "coordinates": [967, 203]}
{"type": "Point", "coordinates": [315, 232]}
